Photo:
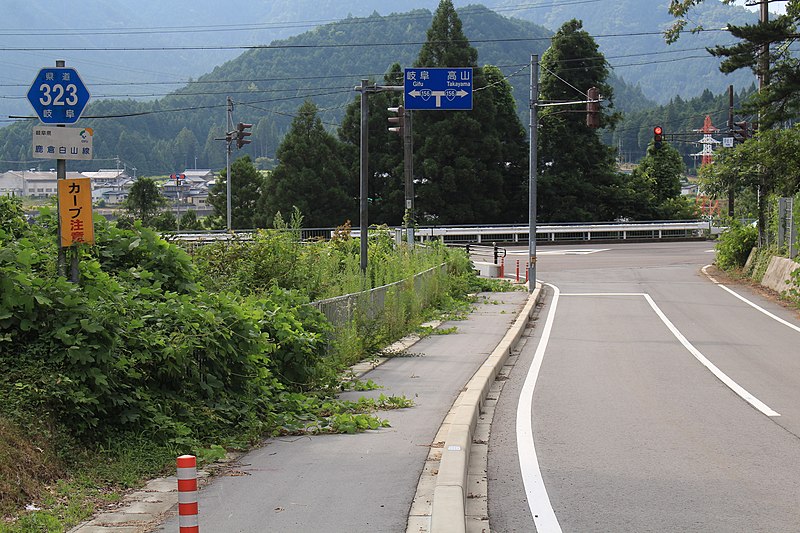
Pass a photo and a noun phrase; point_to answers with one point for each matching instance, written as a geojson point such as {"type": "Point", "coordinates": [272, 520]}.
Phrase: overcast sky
{"type": "Point", "coordinates": [774, 7]}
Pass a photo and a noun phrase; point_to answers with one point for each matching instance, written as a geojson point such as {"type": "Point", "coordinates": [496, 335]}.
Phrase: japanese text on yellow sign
{"type": "Point", "coordinates": [75, 211]}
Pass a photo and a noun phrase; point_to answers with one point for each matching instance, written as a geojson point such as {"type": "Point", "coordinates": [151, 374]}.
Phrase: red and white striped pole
{"type": "Point", "coordinates": [517, 270]}
{"type": "Point", "coordinates": [187, 494]}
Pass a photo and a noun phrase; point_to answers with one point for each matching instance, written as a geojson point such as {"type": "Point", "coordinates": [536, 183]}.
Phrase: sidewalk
{"type": "Point", "coordinates": [354, 483]}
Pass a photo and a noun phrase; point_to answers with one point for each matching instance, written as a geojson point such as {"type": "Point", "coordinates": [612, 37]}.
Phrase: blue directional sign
{"type": "Point", "coordinates": [58, 95]}
{"type": "Point", "coordinates": [445, 89]}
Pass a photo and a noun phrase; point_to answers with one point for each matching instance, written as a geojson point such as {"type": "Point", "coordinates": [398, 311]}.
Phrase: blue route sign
{"type": "Point", "coordinates": [444, 89]}
{"type": "Point", "coordinates": [58, 95]}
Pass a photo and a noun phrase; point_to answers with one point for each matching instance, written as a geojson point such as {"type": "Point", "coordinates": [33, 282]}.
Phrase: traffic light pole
{"type": "Point", "coordinates": [365, 89]}
{"type": "Point", "coordinates": [533, 154]}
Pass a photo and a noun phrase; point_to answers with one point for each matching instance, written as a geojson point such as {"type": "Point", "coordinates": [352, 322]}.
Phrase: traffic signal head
{"type": "Point", "coordinates": [739, 131]}
{"type": "Point", "coordinates": [658, 137]}
{"type": "Point", "coordinates": [242, 134]}
{"type": "Point", "coordinates": [397, 122]}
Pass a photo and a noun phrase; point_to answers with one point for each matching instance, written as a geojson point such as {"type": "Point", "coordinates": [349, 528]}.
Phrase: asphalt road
{"type": "Point", "coordinates": [660, 401]}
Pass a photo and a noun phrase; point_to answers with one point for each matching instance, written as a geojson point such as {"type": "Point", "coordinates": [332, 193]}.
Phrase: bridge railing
{"type": "Point", "coordinates": [490, 234]}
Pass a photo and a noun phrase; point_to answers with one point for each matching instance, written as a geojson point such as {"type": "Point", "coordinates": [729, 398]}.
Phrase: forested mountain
{"type": "Point", "coordinates": [269, 85]}
{"type": "Point", "coordinates": [105, 40]}
{"type": "Point", "coordinates": [628, 33]}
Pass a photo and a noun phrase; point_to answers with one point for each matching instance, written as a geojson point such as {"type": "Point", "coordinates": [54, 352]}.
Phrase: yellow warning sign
{"type": "Point", "coordinates": [75, 211]}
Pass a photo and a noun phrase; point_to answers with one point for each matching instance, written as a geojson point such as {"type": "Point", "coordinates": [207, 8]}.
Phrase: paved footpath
{"type": "Point", "coordinates": [366, 482]}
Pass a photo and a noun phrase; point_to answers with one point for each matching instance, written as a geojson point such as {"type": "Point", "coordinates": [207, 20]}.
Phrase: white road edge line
{"type": "Point", "coordinates": [538, 501]}
{"type": "Point", "coordinates": [748, 302]}
{"type": "Point", "coordinates": [735, 387]}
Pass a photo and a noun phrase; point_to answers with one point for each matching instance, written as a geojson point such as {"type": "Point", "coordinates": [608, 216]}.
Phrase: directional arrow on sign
{"type": "Point", "coordinates": [425, 94]}
{"type": "Point", "coordinates": [438, 88]}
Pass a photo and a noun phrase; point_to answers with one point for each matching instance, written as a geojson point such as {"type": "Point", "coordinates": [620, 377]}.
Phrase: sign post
{"type": "Point", "coordinates": [59, 97]}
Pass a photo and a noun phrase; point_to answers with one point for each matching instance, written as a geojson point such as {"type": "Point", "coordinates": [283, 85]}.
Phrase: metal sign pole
{"type": "Point", "coordinates": [61, 174]}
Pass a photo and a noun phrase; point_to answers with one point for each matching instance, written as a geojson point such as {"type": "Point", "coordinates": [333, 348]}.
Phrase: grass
{"type": "Point", "coordinates": [54, 485]}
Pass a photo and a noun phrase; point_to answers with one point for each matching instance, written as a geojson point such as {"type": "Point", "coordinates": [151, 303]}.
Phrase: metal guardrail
{"type": "Point", "coordinates": [568, 232]}
{"type": "Point", "coordinates": [371, 304]}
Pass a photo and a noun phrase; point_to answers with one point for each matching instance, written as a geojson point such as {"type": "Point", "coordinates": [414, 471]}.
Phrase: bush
{"type": "Point", "coordinates": [735, 244]}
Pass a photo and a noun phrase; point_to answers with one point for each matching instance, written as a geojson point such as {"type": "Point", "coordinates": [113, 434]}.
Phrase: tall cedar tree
{"type": "Point", "coordinates": [386, 186]}
{"type": "Point", "coordinates": [311, 175]}
{"type": "Point", "coordinates": [247, 185]}
{"type": "Point", "coordinates": [577, 172]}
{"type": "Point", "coordinates": [467, 162]}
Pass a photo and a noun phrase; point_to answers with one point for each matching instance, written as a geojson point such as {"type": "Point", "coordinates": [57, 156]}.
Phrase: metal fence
{"type": "Point", "coordinates": [478, 234]}
{"type": "Point", "coordinates": [372, 304]}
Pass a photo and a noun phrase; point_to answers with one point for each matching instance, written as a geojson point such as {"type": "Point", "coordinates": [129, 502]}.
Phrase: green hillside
{"type": "Point", "coordinates": [269, 84]}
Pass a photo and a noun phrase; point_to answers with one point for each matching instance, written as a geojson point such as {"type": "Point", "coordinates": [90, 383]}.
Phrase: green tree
{"type": "Point", "coordinates": [466, 161]}
{"type": "Point", "coordinates": [779, 100]}
{"type": "Point", "coordinates": [247, 186]}
{"type": "Point", "coordinates": [659, 174]}
{"type": "Point", "coordinates": [577, 172]}
{"type": "Point", "coordinates": [311, 175]}
{"type": "Point", "coordinates": [144, 200]}
{"type": "Point", "coordinates": [768, 163]}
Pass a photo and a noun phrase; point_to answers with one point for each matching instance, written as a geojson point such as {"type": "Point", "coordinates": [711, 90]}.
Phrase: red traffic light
{"type": "Point", "coordinates": [658, 130]}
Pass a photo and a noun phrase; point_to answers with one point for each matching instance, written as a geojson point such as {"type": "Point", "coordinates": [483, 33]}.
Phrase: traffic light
{"type": "Point", "coordinates": [593, 108]}
{"type": "Point", "coordinates": [242, 133]}
{"type": "Point", "coordinates": [398, 120]}
{"type": "Point", "coordinates": [739, 132]}
{"type": "Point", "coordinates": [658, 137]}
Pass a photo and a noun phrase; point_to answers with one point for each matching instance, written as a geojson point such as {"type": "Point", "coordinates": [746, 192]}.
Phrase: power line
{"type": "Point", "coordinates": [304, 46]}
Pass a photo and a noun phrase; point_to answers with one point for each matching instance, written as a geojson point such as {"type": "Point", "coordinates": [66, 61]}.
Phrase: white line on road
{"type": "Point", "coordinates": [538, 501]}
{"type": "Point", "coordinates": [748, 302]}
{"type": "Point", "coordinates": [583, 251]}
{"type": "Point", "coordinates": [735, 387]}
{"type": "Point", "coordinates": [724, 378]}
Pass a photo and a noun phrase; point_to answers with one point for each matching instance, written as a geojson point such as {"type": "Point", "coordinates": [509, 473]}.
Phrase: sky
{"type": "Point", "coordinates": [774, 7]}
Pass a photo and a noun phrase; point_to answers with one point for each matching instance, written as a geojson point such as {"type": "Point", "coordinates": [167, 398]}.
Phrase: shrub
{"type": "Point", "coordinates": [735, 244]}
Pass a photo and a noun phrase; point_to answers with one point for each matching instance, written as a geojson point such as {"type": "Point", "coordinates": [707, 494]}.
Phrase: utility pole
{"type": "Point", "coordinates": [228, 141]}
{"type": "Point", "coordinates": [364, 175]}
{"type": "Point", "coordinates": [731, 191]}
{"type": "Point", "coordinates": [763, 81]}
{"type": "Point", "coordinates": [532, 155]}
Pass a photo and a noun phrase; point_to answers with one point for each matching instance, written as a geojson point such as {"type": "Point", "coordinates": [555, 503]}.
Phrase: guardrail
{"type": "Point", "coordinates": [478, 234]}
{"type": "Point", "coordinates": [568, 232]}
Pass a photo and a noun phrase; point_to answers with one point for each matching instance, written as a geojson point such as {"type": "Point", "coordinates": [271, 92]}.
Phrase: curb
{"type": "Point", "coordinates": [448, 512]}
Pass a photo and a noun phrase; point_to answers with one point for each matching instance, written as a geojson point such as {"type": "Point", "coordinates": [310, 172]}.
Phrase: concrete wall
{"type": "Point", "coordinates": [779, 274]}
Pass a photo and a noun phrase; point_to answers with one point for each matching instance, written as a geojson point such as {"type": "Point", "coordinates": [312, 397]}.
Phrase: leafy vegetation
{"type": "Point", "coordinates": [735, 245]}
{"type": "Point", "coordinates": [156, 349]}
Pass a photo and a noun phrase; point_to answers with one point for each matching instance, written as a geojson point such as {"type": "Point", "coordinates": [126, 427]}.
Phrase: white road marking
{"type": "Point", "coordinates": [562, 252]}
{"type": "Point", "coordinates": [538, 501]}
{"type": "Point", "coordinates": [724, 378]}
{"type": "Point", "coordinates": [735, 387]}
{"type": "Point", "coordinates": [748, 302]}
